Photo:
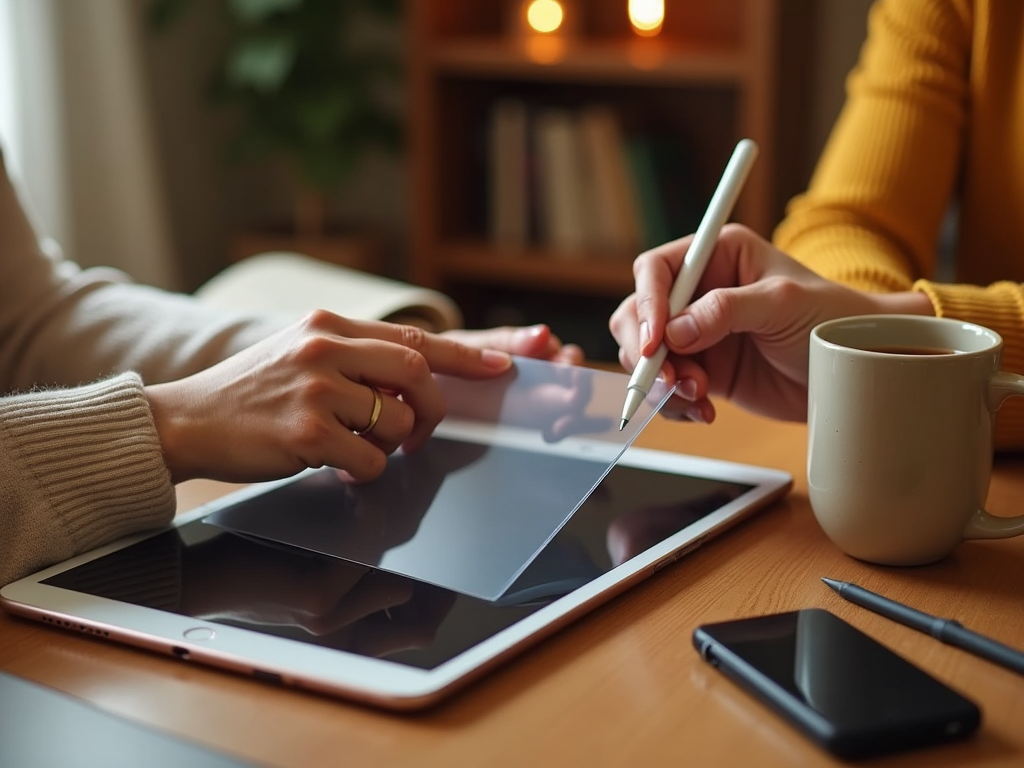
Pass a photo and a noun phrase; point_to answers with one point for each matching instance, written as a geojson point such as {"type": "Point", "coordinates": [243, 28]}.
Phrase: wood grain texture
{"type": "Point", "coordinates": [621, 686]}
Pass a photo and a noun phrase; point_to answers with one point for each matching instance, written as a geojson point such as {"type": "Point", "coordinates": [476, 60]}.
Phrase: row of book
{"type": "Point", "coordinates": [574, 181]}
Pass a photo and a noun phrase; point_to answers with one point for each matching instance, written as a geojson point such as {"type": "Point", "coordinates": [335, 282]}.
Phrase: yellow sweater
{"type": "Point", "coordinates": [934, 116]}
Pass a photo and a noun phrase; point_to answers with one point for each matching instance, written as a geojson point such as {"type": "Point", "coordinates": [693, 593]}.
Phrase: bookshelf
{"type": "Point", "coordinates": [711, 77]}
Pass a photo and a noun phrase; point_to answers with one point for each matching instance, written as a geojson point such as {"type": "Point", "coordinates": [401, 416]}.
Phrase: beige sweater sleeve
{"type": "Point", "coordinates": [81, 467]}
{"type": "Point", "coordinates": [80, 459]}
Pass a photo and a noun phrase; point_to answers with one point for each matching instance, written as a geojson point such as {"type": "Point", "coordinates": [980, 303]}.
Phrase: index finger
{"type": "Point", "coordinates": [654, 272]}
{"type": "Point", "coordinates": [443, 354]}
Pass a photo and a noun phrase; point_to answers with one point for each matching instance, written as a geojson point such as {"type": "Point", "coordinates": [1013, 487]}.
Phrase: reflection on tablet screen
{"type": "Point", "coordinates": [208, 573]}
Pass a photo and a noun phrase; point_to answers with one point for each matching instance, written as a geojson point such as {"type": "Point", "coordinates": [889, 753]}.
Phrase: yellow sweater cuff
{"type": "Point", "coordinates": [1000, 307]}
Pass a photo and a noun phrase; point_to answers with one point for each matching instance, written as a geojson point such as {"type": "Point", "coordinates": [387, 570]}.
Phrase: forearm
{"type": "Point", "coordinates": [94, 326]}
{"type": "Point", "coordinates": [904, 303]}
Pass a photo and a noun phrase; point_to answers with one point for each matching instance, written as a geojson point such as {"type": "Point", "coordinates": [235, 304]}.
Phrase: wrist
{"type": "Point", "coordinates": [171, 430]}
{"type": "Point", "coordinates": [904, 303]}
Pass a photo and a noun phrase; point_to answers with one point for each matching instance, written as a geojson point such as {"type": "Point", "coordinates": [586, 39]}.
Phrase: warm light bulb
{"type": "Point", "coordinates": [545, 16]}
{"type": "Point", "coordinates": [646, 16]}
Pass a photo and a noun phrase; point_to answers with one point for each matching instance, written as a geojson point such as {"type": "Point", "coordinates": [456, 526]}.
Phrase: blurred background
{"type": "Point", "coordinates": [170, 138]}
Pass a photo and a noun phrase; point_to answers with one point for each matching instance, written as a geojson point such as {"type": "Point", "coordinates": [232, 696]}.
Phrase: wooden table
{"type": "Point", "coordinates": [623, 686]}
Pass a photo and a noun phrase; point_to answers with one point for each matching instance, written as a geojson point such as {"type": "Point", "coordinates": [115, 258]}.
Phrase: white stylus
{"type": "Point", "coordinates": [696, 259]}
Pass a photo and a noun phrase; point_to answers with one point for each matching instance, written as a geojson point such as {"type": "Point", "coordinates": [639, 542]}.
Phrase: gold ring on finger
{"type": "Point", "coordinates": [374, 414]}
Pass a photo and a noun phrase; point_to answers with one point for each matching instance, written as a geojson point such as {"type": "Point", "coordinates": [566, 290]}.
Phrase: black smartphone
{"type": "Point", "coordinates": [845, 690]}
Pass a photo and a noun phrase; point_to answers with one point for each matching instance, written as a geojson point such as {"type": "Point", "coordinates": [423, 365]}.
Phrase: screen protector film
{"type": "Point", "coordinates": [513, 460]}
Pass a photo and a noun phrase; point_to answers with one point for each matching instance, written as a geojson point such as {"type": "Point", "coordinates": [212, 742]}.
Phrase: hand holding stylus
{"type": "Point", "coordinates": [743, 331]}
{"type": "Point", "coordinates": [697, 256]}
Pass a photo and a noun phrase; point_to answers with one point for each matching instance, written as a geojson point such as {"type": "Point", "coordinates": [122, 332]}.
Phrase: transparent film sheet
{"type": "Point", "coordinates": [513, 460]}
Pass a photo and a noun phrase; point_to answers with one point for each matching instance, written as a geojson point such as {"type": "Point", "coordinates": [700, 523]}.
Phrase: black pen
{"type": "Point", "coordinates": [949, 631]}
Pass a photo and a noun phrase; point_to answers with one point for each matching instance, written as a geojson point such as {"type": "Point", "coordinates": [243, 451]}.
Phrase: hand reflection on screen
{"type": "Point", "coordinates": [340, 603]}
{"type": "Point", "coordinates": [337, 603]}
{"type": "Point", "coordinates": [640, 529]}
{"type": "Point", "coordinates": [377, 516]}
{"type": "Point", "coordinates": [326, 512]}
{"type": "Point", "coordinates": [553, 400]}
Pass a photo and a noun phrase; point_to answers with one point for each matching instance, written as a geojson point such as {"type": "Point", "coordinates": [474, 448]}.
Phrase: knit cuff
{"type": "Point", "coordinates": [1000, 307]}
{"type": "Point", "coordinates": [95, 457]}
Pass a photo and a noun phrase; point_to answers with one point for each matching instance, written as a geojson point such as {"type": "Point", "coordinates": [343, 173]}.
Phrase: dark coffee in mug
{"type": "Point", "coordinates": [907, 350]}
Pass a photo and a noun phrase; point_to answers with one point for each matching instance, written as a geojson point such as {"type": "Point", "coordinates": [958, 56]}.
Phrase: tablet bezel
{"type": "Point", "coordinates": [376, 681]}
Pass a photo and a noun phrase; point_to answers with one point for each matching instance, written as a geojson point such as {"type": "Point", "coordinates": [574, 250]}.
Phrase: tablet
{"type": "Point", "coordinates": [294, 616]}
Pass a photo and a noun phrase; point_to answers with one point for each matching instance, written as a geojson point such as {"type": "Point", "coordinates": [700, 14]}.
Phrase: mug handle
{"type": "Point", "coordinates": [982, 524]}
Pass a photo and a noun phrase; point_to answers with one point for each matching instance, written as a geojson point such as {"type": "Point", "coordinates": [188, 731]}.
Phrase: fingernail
{"type": "Point", "coordinates": [682, 331]}
{"type": "Point", "coordinates": [688, 389]}
{"type": "Point", "coordinates": [492, 358]}
{"type": "Point", "coordinates": [645, 334]}
{"type": "Point", "coordinates": [531, 332]}
{"type": "Point", "coordinates": [694, 413]}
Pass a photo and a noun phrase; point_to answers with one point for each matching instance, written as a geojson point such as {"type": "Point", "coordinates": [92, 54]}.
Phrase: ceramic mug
{"type": "Point", "coordinates": [901, 414]}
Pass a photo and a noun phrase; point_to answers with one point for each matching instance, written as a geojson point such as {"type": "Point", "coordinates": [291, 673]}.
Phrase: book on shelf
{"type": "Point", "coordinates": [561, 187]}
{"type": "Point", "coordinates": [508, 164]}
{"type": "Point", "coordinates": [677, 185]}
{"type": "Point", "coordinates": [645, 176]}
{"type": "Point", "coordinates": [614, 215]}
{"type": "Point", "coordinates": [666, 187]}
{"type": "Point", "coordinates": [574, 182]}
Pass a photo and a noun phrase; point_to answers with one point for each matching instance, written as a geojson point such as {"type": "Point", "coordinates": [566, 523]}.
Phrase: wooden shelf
{"type": "Point", "coordinates": [711, 77]}
{"type": "Point", "coordinates": [479, 263]}
{"type": "Point", "coordinates": [625, 61]}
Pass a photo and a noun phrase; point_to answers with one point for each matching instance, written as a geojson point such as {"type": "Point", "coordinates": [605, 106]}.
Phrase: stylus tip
{"type": "Point", "coordinates": [622, 424]}
{"type": "Point", "coordinates": [836, 585]}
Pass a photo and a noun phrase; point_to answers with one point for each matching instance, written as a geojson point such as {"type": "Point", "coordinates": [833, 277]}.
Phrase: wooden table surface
{"type": "Point", "coordinates": [622, 686]}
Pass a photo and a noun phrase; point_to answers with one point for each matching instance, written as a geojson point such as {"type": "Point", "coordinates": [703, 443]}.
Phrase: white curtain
{"type": "Point", "coordinates": [32, 115]}
{"type": "Point", "coordinates": [76, 129]}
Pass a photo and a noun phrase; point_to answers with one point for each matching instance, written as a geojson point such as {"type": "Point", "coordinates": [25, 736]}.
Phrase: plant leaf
{"type": "Point", "coordinates": [253, 11]}
{"type": "Point", "coordinates": [261, 63]}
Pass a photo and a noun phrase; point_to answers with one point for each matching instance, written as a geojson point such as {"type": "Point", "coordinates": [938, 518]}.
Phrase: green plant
{"type": "Point", "coordinates": [306, 88]}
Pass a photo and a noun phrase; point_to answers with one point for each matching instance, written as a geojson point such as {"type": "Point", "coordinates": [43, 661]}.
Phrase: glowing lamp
{"type": "Point", "coordinates": [544, 16]}
{"type": "Point", "coordinates": [646, 16]}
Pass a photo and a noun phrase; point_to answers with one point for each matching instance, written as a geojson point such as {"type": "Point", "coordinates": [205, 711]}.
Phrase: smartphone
{"type": "Point", "coordinates": [843, 689]}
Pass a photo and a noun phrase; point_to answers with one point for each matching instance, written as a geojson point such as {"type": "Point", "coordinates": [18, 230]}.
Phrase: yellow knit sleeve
{"type": "Point", "coordinates": [872, 213]}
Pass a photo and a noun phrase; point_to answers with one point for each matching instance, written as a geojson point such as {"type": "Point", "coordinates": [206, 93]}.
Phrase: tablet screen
{"type": "Point", "coordinates": [208, 573]}
{"type": "Point", "coordinates": [468, 511]}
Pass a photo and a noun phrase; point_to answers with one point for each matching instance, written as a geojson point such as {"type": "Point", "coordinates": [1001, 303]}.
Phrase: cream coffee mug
{"type": "Point", "coordinates": [901, 413]}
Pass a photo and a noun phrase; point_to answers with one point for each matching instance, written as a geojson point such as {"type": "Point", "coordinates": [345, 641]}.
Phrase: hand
{"type": "Point", "coordinates": [363, 521]}
{"type": "Point", "coordinates": [745, 336]}
{"type": "Point", "coordinates": [535, 341]}
{"type": "Point", "coordinates": [296, 399]}
{"type": "Point", "coordinates": [641, 528]}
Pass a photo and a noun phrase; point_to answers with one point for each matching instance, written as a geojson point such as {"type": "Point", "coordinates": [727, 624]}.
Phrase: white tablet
{"type": "Point", "coordinates": [289, 614]}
